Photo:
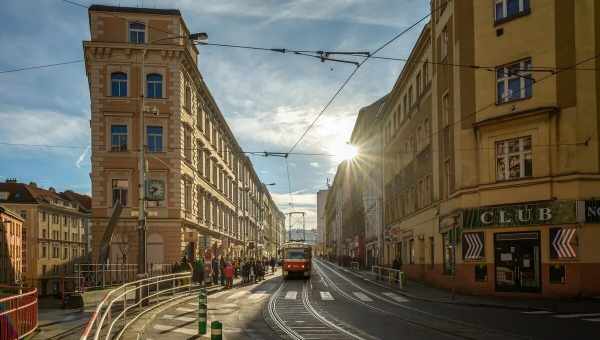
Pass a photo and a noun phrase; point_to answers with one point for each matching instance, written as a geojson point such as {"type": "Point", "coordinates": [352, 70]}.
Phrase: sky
{"type": "Point", "coordinates": [268, 99]}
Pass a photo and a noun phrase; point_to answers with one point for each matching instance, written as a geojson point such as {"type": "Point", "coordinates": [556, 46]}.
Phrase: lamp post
{"type": "Point", "coordinates": [142, 227]}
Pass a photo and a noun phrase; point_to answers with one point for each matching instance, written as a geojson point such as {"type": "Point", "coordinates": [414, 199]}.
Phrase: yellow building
{"type": "Point", "coordinates": [514, 104]}
{"type": "Point", "coordinates": [205, 192]}
{"type": "Point", "coordinates": [11, 245]}
{"type": "Point", "coordinates": [53, 236]}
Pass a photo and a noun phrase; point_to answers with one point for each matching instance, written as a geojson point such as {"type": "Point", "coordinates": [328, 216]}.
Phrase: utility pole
{"type": "Point", "coordinates": [142, 180]}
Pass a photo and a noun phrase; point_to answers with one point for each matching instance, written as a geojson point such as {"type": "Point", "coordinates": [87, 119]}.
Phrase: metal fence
{"type": "Point", "coordinates": [97, 276]}
{"type": "Point", "coordinates": [393, 276]}
{"type": "Point", "coordinates": [124, 304]}
{"type": "Point", "coordinates": [18, 314]}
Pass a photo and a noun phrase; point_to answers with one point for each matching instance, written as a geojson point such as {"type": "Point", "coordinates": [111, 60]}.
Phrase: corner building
{"type": "Point", "coordinates": [207, 192]}
{"type": "Point", "coordinates": [514, 147]}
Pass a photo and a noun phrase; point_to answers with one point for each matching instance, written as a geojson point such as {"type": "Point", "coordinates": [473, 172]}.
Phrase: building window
{"type": "Point", "coordinates": [513, 159]}
{"type": "Point", "coordinates": [514, 81]}
{"type": "Point", "coordinates": [187, 144]}
{"type": "Point", "coordinates": [410, 98]}
{"type": "Point", "coordinates": [44, 252]}
{"type": "Point", "coordinates": [120, 187]}
{"type": "Point", "coordinates": [188, 99]}
{"type": "Point", "coordinates": [419, 85]}
{"type": "Point", "coordinates": [118, 138]}
{"type": "Point", "coordinates": [445, 110]}
{"type": "Point", "coordinates": [506, 9]}
{"type": "Point", "coordinates": [447, 178]}
{"type": "Point", "coordinates": [118, 81]}
{"type": "Point", "coordinates": [137, 33]}
{"type": "Point", "coordinates": [155, 138]}
{"type": "Point", "coordinates": [425, 74]}
{"type": "Point", "coordinates": [154, 85]}
{"type": "Point", "coordinates": [444, 43]}
{"type": "Point", "coordinates": [188, 195]}
{"type": "Point", "coordinates": [431, 252]}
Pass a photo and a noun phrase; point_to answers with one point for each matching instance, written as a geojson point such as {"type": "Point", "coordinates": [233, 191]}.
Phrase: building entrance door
{"type": "Point", "coordinates": [517, 262]}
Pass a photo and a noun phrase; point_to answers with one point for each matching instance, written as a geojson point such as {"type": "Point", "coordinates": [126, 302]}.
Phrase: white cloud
{"type": "Point", "coordinates": [314, 164]}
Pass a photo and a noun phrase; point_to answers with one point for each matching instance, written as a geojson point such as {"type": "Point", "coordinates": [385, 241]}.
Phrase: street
{"type": "Point", "coordinates": [335, 304]}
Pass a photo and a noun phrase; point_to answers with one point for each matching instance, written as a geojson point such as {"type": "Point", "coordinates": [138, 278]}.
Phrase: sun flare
{"type": "Point", "coordinates": [344, 152]}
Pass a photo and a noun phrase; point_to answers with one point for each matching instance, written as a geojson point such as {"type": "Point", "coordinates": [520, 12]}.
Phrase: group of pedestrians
{"type": "Point", "coordinates": [223, 270]}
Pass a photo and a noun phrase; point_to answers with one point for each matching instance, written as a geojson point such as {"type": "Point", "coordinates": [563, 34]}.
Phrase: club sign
{"type": "Point", "coordinates": [556, 212]}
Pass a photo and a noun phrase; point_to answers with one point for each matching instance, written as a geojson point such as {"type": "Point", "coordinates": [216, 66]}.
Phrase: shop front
{"type": "Point", "coordinates": [516, 248]}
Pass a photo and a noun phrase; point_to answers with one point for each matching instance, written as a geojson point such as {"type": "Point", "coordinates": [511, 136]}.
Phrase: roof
{"type": "Point", "coordinates": [11, 213]}
{"type": "Point", "coordinates": [104, 8]}
{"type": "Point", "coordinates": [31, 193]}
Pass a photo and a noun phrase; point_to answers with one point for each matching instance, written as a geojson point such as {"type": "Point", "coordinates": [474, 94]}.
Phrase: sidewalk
{"type": "Point", "coordinates": [419, 291]}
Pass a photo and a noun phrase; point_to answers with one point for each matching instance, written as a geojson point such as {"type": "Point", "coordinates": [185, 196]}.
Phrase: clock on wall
{"type": "Point", "coordinates": [155, 190]}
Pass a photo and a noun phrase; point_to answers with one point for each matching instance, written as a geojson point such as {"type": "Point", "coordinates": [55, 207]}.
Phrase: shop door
{"type": "Point", "coordinates": [517, 258]}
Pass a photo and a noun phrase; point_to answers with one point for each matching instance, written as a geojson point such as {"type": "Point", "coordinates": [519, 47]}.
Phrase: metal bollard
{"type": "Point", "coordinates": [401, 280]}
{"type": "Point", "coordinates": [202, 310]}
{"type": "Point", "coordinates": [216, 330]}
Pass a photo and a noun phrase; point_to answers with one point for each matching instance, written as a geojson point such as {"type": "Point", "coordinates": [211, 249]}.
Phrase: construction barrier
{"type": "Point", "coordinates": [394, 276]}
{"type": "Point", "coordinates": [216, 330]}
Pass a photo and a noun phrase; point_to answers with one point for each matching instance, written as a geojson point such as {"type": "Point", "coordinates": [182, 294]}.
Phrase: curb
{"type": "Point", "coordinates": [460, 303]}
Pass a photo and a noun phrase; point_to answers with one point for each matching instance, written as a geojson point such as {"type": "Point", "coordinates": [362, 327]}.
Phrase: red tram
{"type": "Point", "coordinates": [297, 257]}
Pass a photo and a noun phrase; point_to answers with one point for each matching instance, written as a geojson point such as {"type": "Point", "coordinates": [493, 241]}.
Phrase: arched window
{"type": "Point", "coordinates": [154, 87]}
{"type": "Point", "coordinates": [118, 84]}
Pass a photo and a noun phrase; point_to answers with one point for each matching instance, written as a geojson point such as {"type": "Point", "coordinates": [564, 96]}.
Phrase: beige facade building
{"type": "Point", "coordinates": [53, 235]}
{"type": "Point", "coordinates": [491, 169]}
{"type": "Point", "coordinates": [11, 245]}
{"type": "Point", "coordinates": [206, 194]}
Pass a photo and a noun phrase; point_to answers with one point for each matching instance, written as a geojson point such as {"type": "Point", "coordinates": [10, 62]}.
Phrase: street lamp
{"type": "Point", "coordinates": [142, 227]}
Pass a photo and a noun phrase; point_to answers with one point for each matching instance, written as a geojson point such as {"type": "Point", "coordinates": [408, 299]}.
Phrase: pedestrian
{"type": "Point", "coordinates": [222, 267]}
{"type": "Point", "coordinates": [228, 271]}
{"type": "Point", "coordinates": [272, 265]}
{"type": "Point", "coordinates": [252, 272]}
{"type": "Point", "coordinates": [215, 271]}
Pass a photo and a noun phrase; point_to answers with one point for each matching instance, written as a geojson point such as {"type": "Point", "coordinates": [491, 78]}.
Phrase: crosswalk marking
{"type": "Point", "coordinates": [182, 330]}
{"type": "Point", "coordinates": [178, 318]}
{"type": "Point", "coordinates": [258, 294]}
{"type": "Point", "coordinates": [237, 295]}
{"type": "Point", "coordinates": [326, 296]}
{"type": "Point", "coordinates": [396, 297]}
{"type": "Point", "coordinates": [185, 310]}
{"type": "Point", "coordinates": [572, 316]}
{"type": "Point", "coordinates": [538, 312]}
{"type": "Point", "coordinates": [291, 295]}
{"type": "Point", "coordinates": [362, 296]}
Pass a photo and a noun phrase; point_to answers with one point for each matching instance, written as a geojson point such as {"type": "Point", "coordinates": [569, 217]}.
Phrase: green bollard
{"type": "Point", "coordinates": [216, 330]}
{"type": "Point", "coordinates": [202, 309]}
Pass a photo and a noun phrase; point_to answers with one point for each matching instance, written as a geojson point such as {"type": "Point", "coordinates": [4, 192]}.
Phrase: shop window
{"type": "Point", "coordinates": [507, 9]}
{"type": "Point", "coordinates": [411, 250]}
{"type": "Point", "coordinates": [513, 158]}
{"type": "Point", "coordinates": [432, 252]}
{"type": "Point", "coordinates": [481, 272]}
{"type": "Point", "coordinates": [514, 82]}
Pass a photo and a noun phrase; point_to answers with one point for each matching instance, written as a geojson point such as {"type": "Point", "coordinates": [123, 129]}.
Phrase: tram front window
{"type": "Point", "coordinates": [295, 254]}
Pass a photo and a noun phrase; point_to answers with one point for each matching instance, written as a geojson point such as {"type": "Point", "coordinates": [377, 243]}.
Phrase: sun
{"type": "Point", "coordinates": [344, 151]}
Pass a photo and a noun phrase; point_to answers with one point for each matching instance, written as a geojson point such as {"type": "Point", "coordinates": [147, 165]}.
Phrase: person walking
{"type": "Point", "coordinates": [222, 267]}
{"type": "Point", "coordinates": [215, 271]}
{"type": "Point", "coordinates": [228, 271]}
{"type": "Point", "coordinates": [252, 272]}
{"type": "Point", "coordinates": [272, 265]}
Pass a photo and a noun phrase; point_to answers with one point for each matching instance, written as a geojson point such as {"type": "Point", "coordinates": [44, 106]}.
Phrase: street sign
{"type": "Point", "coordinates": [563, 243]}
{"type": "Point", "coordinates": [473, 246]}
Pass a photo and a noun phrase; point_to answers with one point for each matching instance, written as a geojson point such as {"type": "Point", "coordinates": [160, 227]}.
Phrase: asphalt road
{"type": "Point", "coordinates": [335, 304]}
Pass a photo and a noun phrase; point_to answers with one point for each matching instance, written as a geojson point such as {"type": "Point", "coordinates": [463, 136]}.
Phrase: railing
{"type": "Point", "coordinates": [18, 315]}
{"type": "Point", "coordinates": [394, 276]}
{"type": "Point", "coordinates": [94, 275]}
{"type": "Point", "coordinates": [110, 319]}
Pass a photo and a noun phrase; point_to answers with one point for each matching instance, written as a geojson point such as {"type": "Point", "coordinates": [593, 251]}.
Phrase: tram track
{"type": "Point", "coordinates": [418, 317]}
{"type": "Point", "coordinates": [298, 319]}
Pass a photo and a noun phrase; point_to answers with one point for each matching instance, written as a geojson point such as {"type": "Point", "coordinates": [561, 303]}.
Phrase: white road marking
{"type": "Point", "coordinates": [326, 296]}
{"type": "Point", "coordinates": [362, 296]}
{"type": "Point", "coordinates": [237, 295]}
{"type": "Point", "coordinates": [185, 310]}
{"type": "Point", "coordinates": [178, 318]}
{"type": "Point", "coordinates": [592, 320]}
{"type": "Point", "coordinates": [258, 295]}
{"type": "Point", "coordinates": [396, 297]}
{"type": "Point", "coordinates": [291, 295]}
{"type": "Point", "coordinates": [572, 316]}
{"type": "Point", "coordinates": [182, 330]}
{"type": "Point", "coordinates": [538, 312]}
